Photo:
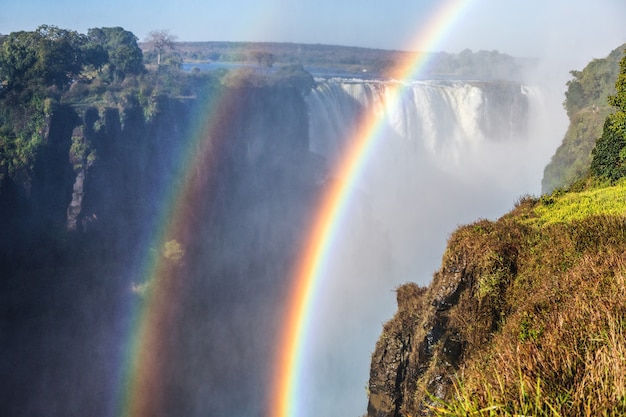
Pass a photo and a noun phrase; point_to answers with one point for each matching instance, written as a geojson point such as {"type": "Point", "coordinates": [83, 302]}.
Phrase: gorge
{"type": "Point", "coordinates": [80, 234]}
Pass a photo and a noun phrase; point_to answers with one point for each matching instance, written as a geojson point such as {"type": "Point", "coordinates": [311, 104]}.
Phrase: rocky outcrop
{"type": "Point", "coordinates": [438, 327]}
{"type": "Point", "coordinates": [419, 350]}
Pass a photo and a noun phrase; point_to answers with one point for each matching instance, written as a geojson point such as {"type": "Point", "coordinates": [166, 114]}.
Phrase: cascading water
{"type": "Point", "coordinates": [447, 153]}
{"type": "Point", "coordinates": [443, 117]}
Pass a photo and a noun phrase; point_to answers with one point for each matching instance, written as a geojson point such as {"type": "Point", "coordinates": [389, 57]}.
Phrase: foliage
{"type": "Point", "coordinates": [592, 85]}
{"type": "Point", "coordinates": [22, 130]}
{"type": "Point", "coordinates": [125, 56]}
{"type": "Point", "coordinates": [294, 76]}
{"type": "Point", "coordinates": [82, 154]}
{"type": "Point", "coordinates": [587, 107]}
{"type": "Point", "coordinates": [608, 160]}
{"type": "Point", "coordinates": [598, 200]}
{"type": "Point", "coordinates": [284, 76]}
{"type": "Point", "coordinates": [48, 55]}
{"type": "Point", "coordinates": [48, 66]}
{"type": "Point", "coordinates": [572, 159]}
{"type": "Point", "coordinates": [609, 154]}
{"type": "Point", "coordinates": [264, 59]}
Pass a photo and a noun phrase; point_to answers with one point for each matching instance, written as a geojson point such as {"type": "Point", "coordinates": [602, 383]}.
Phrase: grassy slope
{"type": "Point", "coordinates": [551, 275]}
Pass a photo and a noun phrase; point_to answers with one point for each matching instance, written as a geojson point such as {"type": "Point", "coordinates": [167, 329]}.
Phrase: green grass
{"type": "Point", "coordinates": [568, 207]}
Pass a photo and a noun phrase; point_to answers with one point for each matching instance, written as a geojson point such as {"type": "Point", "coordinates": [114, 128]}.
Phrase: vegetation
{"type": "Point", "coordinates": [553, 274]}
{"type": "Point", "coordinates": [43, 70]}
{"type": "Point", "coordinates": [609, 155]}
{"type": "Point", "coordinates": [587, 107]}
{"type": "Point", "coordinates": [596, 200]}
{"type": "Point", "coordinates": [160, 41]}
{"type": "Point", "coordinates": [37, 72]}
{"type": "Point", "coordinates": [560, 346]}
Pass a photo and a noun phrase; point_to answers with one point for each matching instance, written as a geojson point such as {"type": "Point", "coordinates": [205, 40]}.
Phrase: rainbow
{"type": "Point", "coordinates": [286, 382]}
{"type": "Point", "coordinates": [155, 316]}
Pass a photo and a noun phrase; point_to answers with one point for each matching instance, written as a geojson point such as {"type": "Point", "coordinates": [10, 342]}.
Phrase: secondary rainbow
{"type": "Point", "coordinates": [285, 383]}
{"type": "Point", "coordinates": [155, 316]}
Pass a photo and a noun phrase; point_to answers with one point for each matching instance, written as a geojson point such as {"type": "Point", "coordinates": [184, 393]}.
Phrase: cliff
{"type": "Point", "coordinates": [587, 108]}
{"type": "Point", "coordinates": [75, 241]}
{"type": "Point", "coordinates": [525, 316]}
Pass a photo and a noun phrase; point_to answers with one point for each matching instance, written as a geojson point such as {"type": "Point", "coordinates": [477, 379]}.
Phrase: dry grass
{"type": "Point", "coordinates": [552, 299]}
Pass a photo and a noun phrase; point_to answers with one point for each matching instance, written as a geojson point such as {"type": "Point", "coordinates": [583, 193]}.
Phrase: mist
{"type": "Point", "coordinates": [433, 168]}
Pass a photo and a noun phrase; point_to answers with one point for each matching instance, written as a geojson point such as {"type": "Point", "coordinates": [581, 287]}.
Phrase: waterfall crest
{"type": "Point", "coordinates": [441, 118]}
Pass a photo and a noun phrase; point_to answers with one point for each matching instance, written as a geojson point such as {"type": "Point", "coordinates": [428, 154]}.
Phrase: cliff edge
{"type": "Point", "coordinates": [525, 316]}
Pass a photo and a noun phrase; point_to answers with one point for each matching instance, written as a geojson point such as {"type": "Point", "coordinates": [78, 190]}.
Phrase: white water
{"type": "Point", "coordinates": [447, 154]}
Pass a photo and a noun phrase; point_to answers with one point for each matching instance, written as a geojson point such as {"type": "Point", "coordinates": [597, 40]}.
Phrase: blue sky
{"type": "Point", "coordinates": [577, 30]}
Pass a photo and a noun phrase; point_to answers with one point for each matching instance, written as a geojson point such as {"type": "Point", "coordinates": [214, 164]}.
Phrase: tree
{"type": "Point", "coordinates": [608, 159]}
{"type": "Point", "coordinates": [161, 41]}
{"type": "Point", "coordinates": [47, 56]}
{"type": "Point", "coordinates": [609, 154]}
{"type": "Point", "coordinates": [60, 53]}
{"type": "Point", "coordinates": [125, 56]}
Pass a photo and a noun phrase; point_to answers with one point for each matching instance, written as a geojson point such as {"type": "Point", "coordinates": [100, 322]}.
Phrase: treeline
{"type": "Point", "coordinates": [367, 61]}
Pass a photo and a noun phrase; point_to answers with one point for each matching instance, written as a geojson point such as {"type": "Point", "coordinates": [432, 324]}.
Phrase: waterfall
{"type": "Point", "coordinates": [442, 117]}
{"type": "Point", "coordinates": [447, 153]}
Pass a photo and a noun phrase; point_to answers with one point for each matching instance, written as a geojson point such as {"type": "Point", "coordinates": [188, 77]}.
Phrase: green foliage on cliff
{"type": "Point", "coordinates": [587, 107]}
{"type": "Point", "coordinates": [609, 154]}
{"type": "Point", "coordinates": [48, 68]}
{"type": "Point", "coordinates": [595, 200]}
{"type": "Point", "coordinates": [22, 133]}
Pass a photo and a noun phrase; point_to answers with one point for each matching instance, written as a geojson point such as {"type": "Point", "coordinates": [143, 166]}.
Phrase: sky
{"type": "Point", "coordinates": [576, 30]}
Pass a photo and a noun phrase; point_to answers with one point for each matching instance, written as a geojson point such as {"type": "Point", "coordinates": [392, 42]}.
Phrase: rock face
{"type": "Point", "coordinates": [436, 328]}
{"type": "Point", "coordinates": [419, 350]}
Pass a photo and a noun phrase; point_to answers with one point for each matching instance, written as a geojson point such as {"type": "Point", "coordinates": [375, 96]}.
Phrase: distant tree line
{"type": "Point", "coordinates": [373, 62]}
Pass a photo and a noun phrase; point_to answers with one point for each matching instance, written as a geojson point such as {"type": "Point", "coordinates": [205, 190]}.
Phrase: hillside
{"type": "Point", "coordinates": [525, 316]}
{"type": "Point", "coordinates": [587, 108]}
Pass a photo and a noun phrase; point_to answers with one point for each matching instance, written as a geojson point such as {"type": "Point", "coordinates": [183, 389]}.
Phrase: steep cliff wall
{"type": "Point", "coordinates": [76, 243]}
